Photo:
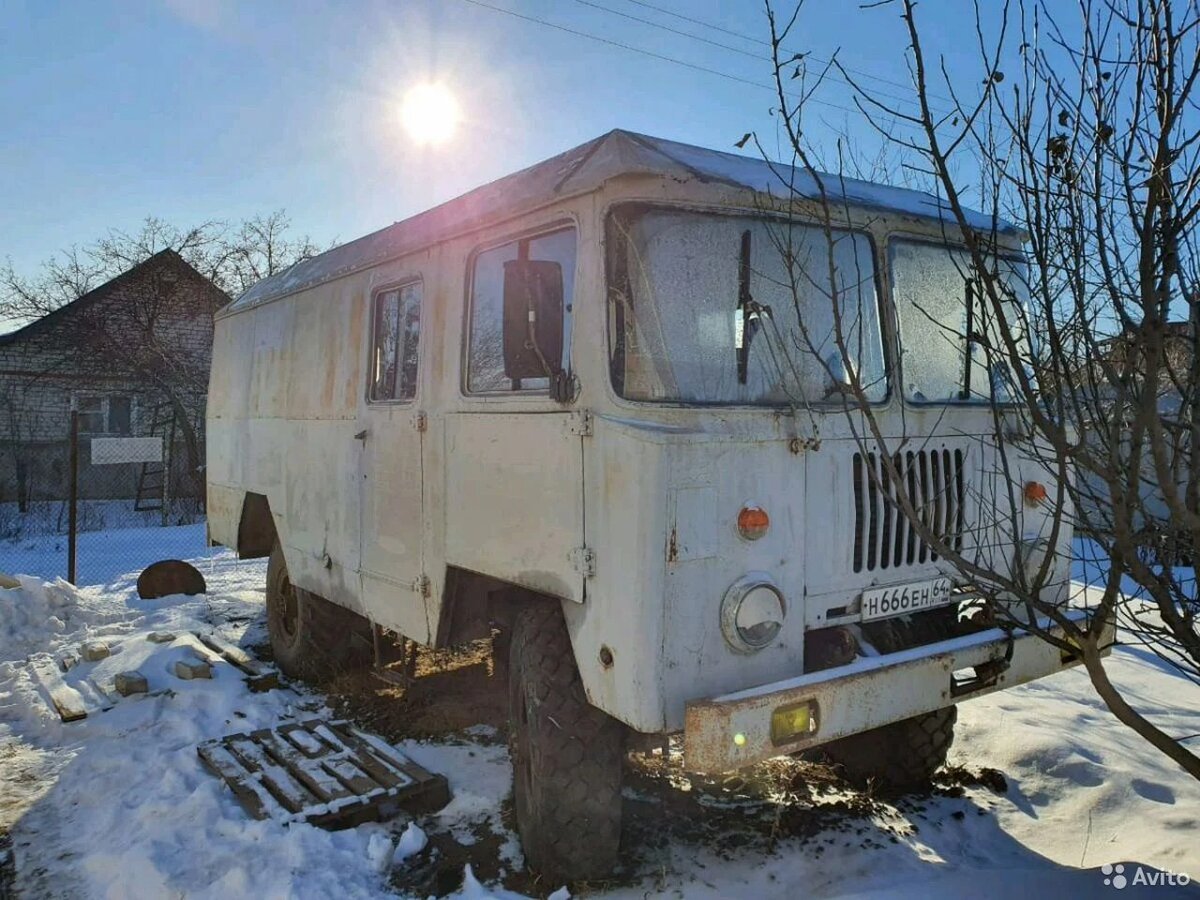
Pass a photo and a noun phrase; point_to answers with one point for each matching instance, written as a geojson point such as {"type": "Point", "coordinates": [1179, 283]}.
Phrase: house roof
{"type": "Point", "coordinates": [583, 169]}
{"type": "Point", "coordinates": [64, 312]}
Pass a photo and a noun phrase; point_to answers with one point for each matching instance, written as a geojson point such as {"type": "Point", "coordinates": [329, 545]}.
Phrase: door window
{"type": "Point", "coordinates": [394, 344]}
{"type": "Point", "coordinates": [485, 352]}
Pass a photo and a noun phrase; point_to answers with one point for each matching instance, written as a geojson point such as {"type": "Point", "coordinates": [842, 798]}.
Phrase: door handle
{"type": "Point", "coordinates": [362, 435]}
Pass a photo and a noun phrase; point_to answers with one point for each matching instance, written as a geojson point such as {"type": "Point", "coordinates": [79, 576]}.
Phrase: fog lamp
{"type": "Point", "coordinates": [792, 722]}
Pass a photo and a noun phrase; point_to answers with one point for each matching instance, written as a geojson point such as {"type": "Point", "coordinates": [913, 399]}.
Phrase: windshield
{"type": "Point", "coordinates": [939, 302]}
{"type": "Point", "coordinates": [716, 309]}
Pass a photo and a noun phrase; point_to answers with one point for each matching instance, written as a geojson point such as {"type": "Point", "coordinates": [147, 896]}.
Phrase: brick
{"type": "Point", "coordinates": [93, 651]}
{"type": "Point", "coordinates": [130, 683]}
{"type": "Point", "coordinates": [188, 669]}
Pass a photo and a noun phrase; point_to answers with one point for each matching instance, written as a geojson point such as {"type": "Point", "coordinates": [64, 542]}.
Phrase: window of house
{"type": "Point", "coordinates": [394, 343]}
{"type": "Point", "coordinates": [485, 353]}
{"type": "Point", "coordinates": [91, 415]}
{"type": "Point", "coordinates": [105, 414]}
{"type": "Point", "coordinates": [120, 415]}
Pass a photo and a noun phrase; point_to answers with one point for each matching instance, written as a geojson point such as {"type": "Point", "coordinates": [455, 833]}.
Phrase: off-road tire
{"type": "Point", "coordinates": [311, 638]}
{"type": "Point", "coordinates": [896, 757]}
{"type": "Point", "coordinates": [566, 754]}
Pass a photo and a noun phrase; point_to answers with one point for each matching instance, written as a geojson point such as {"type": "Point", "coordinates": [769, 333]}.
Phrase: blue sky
{"type": "Point", "coordinates": [218, 109]}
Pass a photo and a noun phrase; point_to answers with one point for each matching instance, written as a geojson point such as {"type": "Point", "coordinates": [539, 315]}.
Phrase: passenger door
{"type": "Point", "coordinates": [514, 457]}
{"type": "Point", "coordinates": [392, 471]}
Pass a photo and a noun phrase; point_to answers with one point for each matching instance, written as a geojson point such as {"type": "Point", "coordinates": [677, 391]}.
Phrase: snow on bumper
{"type": "Point", "coordinates": [736, 730]}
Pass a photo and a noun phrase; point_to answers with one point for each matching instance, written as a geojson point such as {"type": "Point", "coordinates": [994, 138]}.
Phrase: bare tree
{"type": "Point", "coordinates": [135, 337]}
{"type": "Point", "coordinates": [1087, 135]}
{"type": "Point", "coordinates": [231, 256]}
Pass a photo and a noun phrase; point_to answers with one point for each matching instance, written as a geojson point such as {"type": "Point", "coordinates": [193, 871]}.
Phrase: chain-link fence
{"type": "Point", "coordinates": [131, 508]}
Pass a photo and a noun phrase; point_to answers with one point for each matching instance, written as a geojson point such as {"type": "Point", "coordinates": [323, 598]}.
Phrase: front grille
{"type": "Point", "coordinates": [884, 538]}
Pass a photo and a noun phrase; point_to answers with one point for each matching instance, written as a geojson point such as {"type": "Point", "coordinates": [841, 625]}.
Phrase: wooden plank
{"type": "Point", "coordinates": [235, 655]}
{"type": "Point", "coordinates": [95, 695]}
{"type": "Point", "coordinates": [386, 753]}
{"type": "Point", "coordinates": [68, 702]}
{"type": "Point", "coordinates": [259, 677]}
{"type": "Point", "coordinates": [304, 740]}
{"type": "Point", "coordinates": [323, 785]}
{"type": "Point", "coordinates": [253, 797]}
{"type": "Point", "coordinates": [385, 774]}
{"type": "Point", "coordinates": [427, 791]}
{"type": "Point", "coordinates": [352, 776]}
{"type": "Point", "coordinates": [290, 793]}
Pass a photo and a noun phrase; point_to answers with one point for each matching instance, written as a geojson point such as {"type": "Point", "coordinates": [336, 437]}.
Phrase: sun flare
{"type": "Point", "coordinates": [430, 113]}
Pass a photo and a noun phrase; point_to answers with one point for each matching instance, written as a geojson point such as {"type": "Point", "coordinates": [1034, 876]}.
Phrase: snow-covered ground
{"type": "Point", "coordinates": [117, 805]}
{"type": "Point", "coordinates": [105, 556]}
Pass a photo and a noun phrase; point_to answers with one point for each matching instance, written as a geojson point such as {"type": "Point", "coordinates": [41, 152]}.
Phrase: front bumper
{"type": "Point", "coordinates": [734, 731]}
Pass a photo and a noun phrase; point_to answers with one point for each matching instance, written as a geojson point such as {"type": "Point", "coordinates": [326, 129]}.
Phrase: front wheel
{"type": "Point", "coordinates": [566, 754]}
{"type": "Point", "coordinates": [311, 638]}
{"type": "Point", "coordinates": [896, 757]}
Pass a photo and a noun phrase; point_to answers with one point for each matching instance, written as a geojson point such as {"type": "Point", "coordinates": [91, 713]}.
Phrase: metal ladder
{"type": "Point", "coordinates": [153, 488]}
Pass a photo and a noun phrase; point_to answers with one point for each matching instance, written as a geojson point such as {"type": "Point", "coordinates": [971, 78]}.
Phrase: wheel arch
{"type": "Point", "coordinates": [256, 528]}
{"type": "Point", "coordinates": [473, 603]}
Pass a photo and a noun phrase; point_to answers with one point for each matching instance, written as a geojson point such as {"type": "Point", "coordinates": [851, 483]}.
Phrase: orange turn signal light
{"type": "Point", "coordinates": [753, 522]}
{"type": "Point", "coordinates": [1035, 493]}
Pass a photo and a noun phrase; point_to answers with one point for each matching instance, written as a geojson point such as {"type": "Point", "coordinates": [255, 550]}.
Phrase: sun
{"type": "Point", "coordinates": [430, 113]}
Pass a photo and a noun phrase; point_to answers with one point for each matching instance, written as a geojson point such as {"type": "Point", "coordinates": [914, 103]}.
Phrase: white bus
{"type": "Point", "coordinates": [554, 409]}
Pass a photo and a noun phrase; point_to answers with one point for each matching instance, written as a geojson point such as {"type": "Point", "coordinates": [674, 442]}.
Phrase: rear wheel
{"type": "Point", "coordinates": [898, 756]}
{"type": "Point", "coordinates": [566, 754]}
{"type": "Point", "coordinates": [311, 638]}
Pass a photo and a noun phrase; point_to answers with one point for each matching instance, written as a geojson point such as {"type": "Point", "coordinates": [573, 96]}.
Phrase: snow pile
{"type": "Point", "coordinates": [29, 612]}
{"type": "Point", "coordinates": [36, 614]}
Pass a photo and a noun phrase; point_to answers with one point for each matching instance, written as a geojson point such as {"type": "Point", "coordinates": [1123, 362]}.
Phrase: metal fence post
{"type": "Point", "coordinates": [73, 494]}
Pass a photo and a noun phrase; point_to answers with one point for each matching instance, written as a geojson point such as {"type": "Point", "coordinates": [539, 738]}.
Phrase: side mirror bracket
{"type": "Point", "coordinates": [533, 325]}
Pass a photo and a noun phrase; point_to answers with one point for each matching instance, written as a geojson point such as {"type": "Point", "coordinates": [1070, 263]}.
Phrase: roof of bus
{"type": "Point", "coordinates": [584, 169]}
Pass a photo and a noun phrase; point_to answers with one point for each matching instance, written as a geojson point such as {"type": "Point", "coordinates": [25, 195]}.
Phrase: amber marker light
{"type": "Point", "coordinates": [753, 522]}
{"type": "Point", "coordinates": [1035, 493]}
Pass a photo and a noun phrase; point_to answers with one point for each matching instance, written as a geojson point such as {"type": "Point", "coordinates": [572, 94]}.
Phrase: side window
{"type": "Point", "coordinates": [108, 414]}
{"type": "Point", "coordinates": [485, 351]}
{"type": "Point", "coordinates": [395, 332]}
{"type": "Point", "coordinates": [120, 415]}
{"type": "Point", "coordinates": [91, 415]}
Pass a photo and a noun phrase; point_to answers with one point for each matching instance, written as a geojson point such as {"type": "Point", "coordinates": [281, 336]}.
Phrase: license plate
{"type": "Point", "coordinates": [879, 603]}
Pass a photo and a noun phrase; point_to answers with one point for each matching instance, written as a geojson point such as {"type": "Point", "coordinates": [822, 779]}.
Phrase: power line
{"type": "Point", "coordinates": [748, 37]}
{"type": "Point", "coordinates": [729, 47]}
{"type": "Point", "coordinates": [652, 54]}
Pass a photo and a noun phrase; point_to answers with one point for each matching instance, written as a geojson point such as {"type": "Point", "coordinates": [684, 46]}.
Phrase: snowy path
{"type": "Point", "coordinates": [118, 805]}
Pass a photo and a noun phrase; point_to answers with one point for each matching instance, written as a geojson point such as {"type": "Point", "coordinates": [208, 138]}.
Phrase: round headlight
{"type": "Point", "coordinates": [752, 613]}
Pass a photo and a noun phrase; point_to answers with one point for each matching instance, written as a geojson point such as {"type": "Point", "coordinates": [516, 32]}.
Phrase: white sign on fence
{"type": "Point", "coordinates": [107, 451]}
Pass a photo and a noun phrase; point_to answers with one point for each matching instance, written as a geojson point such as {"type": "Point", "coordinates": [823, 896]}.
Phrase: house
{"type": "Point", "coordinates": [132, 356]}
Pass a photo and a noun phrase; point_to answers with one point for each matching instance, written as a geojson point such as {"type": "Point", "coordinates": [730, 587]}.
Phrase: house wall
{"type": "Point", "coordinates": [94, 351]}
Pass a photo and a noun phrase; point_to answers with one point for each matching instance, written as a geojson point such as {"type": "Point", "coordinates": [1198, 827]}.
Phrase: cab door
{"type": "Point", "coordinates": [392, 466]}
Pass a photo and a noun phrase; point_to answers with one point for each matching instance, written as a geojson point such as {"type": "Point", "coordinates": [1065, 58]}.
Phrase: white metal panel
{"type": "Point", "coordinates": [514, 498]}
{"type": "Point", "coordinates": [391, 485]}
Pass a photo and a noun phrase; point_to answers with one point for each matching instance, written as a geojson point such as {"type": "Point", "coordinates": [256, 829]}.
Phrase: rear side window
{"type": "Point", "coordinates": [395, 337]}
{"type": "Point", "coordinates": [485, 351]}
